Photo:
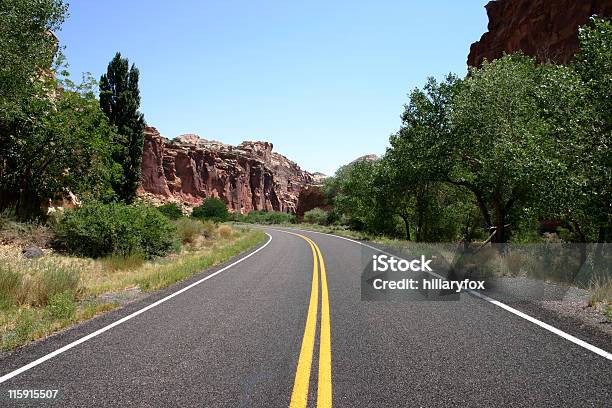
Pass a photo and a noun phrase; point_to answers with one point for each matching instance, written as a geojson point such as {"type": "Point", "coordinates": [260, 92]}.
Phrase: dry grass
{"type": "Point", "coordinates": [41, 296]}
{"type": "Point", "coordinates": [33, 281]}
{"type": "Point", "coordinates": [117, 262]}
{"type": "Point", "coordinates": [601, 291]}
{"type": "Point", "coordinates": [189, 229]}
{"type": "Point", "coordinates": [225, 231]}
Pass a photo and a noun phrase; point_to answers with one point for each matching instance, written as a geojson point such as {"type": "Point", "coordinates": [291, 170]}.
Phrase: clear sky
{"type": "Point", "coordinates": [325, 81]}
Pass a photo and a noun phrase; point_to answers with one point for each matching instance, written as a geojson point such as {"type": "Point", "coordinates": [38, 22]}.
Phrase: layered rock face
{"type": "Point", "coordinates": [545, 29]}
{"type": "Point", "coordinates": [247, 177]}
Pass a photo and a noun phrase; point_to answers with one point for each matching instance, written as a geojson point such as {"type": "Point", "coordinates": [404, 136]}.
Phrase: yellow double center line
{"type": "Point", "coordinates": [299, 396]}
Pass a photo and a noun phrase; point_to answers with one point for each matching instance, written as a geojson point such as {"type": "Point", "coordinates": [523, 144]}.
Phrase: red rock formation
{"type": "Point", "coordinates": [545, 29]}
{"type": "Point", "coordinates": [247, 177]}
{"type": "Point", "coordinates": [311, 197]}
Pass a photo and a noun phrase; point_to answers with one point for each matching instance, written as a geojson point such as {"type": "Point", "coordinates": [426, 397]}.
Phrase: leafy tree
{"type": "Point", "coordinates": [415, 167]}
{"type": "Point", "coordinates": [594, 65]}
{"type": "Point", "coordinates": [27, 51]}
{"type": "Point", "coordinates": [359, 197]}
{"type": "Point", "coordinates": [27, 46]}
{"type": "Point", "coordinates": [212, 208]}
{"type": "Point", "coordinates": [61, 144]}
{"type": "Point", "coordinates": [566, 188]}
{"type": "Point", "coordinates": [504, 142]}
{"type": "Point", "coordinates": [120, 100]}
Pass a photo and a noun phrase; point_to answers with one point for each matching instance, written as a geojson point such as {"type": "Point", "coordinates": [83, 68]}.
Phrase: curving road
{"type": "Point", "coordinates": [287, 326]}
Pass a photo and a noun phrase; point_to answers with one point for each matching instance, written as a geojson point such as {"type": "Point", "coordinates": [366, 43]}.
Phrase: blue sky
{"type": "Point", "coordinates": [324, 81]}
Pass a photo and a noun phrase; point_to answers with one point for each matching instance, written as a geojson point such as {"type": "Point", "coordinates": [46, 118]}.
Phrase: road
{"type": "Point", "coordinates": [268, 332]}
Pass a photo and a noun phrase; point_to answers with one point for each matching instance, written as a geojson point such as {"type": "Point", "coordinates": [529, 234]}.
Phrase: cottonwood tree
{"type": "Point", "coordinates": [594, 65]}
{"type": "Point", "coordinates": [53, 138]}
{"type": "Point", "coordinates": [27, 49]}
{"type": "Point", "coordinates": [417, 164]}
{"type": "Point", "coordinates": [120, 101]}
{"type": "Point", "coordinates": [505, 143]}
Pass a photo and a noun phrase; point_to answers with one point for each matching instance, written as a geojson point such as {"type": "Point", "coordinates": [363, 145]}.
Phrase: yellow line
{"type": "Point", "coordinates": [299, 396]}
{"type": "Point", "coordinates": [324, 390]}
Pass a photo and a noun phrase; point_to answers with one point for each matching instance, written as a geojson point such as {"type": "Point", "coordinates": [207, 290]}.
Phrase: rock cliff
{"type": "Point", "coordinates": [545, 29]}
{"type": "Point", "coordinates": [247, 177]}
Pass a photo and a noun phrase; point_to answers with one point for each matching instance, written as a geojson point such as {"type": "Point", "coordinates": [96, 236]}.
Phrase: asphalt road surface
{"type": "Point", "coordinates": [287, 327]}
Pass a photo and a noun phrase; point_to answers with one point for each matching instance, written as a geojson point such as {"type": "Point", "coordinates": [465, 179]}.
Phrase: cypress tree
{"type": "Point", "coordinates": [120, 100]}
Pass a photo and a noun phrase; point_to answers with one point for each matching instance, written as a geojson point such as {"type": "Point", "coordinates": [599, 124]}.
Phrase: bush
{"type": "Point", "coordinates": [97, 230]}
{"type": "Point", "coordinates": [189, 229]}
{"type": "Point", "coordinates": [265, 217]}
{"type": "Point", "coordinates": [172, 211]}
{"type": "Point", "coordinates": [210, 228]}
{"type": "Point", "coordinates": [212, 208]}
{"type": "Point", "coordinates": [61, 305]}
{"type": "Point", "coordinates": [225, 231]}
{"type": "Point", "coordinates": [316, 216]}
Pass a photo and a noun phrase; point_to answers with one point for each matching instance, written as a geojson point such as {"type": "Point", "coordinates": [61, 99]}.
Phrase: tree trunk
{"type": "Point", "coordinates": [407, 225]}
{"type": "Point", "coordinates": [501, 235]}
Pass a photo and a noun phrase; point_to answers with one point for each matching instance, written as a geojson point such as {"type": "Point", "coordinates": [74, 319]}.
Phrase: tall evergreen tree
{"type": "Point", "coordinates": [120, 100]}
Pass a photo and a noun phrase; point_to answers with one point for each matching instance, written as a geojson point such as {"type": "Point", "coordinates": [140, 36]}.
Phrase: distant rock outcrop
{"type": "Point", "coordinates": [366, 158]}
{"type": "Point", "coordinates": [247, 177]}
{"type": "Point", "coordinates": [545, 29]}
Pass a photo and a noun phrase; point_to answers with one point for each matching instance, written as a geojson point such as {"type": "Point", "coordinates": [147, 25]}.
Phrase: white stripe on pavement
{"type": "Point", "coordinates": [124, 319]}
{"type": "Point", "coordinates": [497, 303]}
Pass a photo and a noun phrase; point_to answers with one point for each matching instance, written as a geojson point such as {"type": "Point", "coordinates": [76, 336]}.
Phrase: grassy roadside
{"type": "Point", "coordinates": [328, 229]}
{"type": "Point", "coordinates": [100, 285]}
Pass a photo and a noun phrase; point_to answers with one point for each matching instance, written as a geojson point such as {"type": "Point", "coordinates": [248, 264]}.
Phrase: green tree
{"type": "Point", "coordinates": [120, 100]}
{"type": "Point", "coordinates": [415, 164]}
{"type": "Point", "coordinates": [27, 51]}
{"type": "Point", "coordinates": [27, 47]}
{"type": "Point", "coordinates": [594, 65]}
{"type": "Point", "coordinates": [212, 208]}
{"type": "Point", "coordinates": [505, 140]}
{"type": "Point", "coordinates": [358, 197]}
{"type": "Point", "coordinates": [62, 147]}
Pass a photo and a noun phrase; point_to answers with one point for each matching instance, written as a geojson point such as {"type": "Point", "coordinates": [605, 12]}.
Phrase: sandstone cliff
{"type": "Point", "coordinates": [545, 29]}
{"type": "Point", "coordinates": [247, 177]}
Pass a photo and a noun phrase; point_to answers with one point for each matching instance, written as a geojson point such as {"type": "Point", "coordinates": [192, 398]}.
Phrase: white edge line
{"type": "Point", "coordinates": [497, 303]}
{"type": "Point", "coordinates": [125, 319]}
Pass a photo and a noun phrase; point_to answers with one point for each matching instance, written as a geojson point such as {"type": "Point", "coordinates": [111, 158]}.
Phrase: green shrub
{"type": "Point", "coordinates": [189, 229]}
{"type": "Point", "coordinates": [316, 216]}
{"type": "Point", "coordinates": [265, 217]}
{"type": "Point", "coordinates": [236, 216]}
{"type": "Point", "coordinates": [98, 230]}
{"type": "Point", "coordinates": [172, 211]}
{"type": "Point", "coordinates": [212, 208]}
{"type": "Point", "coordinates": [61, 305]}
